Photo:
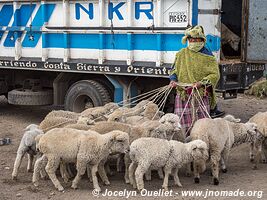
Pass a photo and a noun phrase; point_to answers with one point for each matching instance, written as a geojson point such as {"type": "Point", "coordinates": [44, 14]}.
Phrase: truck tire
{"type": "Point", "coordinates": [30, 98]}
{"type": "Point", "coordinates": [85, 94]}
{"type": "Point", "coordinates": [107, 85]}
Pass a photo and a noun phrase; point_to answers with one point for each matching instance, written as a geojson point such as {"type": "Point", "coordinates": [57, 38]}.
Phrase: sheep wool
{"type": "Point", "coordinates": [258, 148]}
{"type": "Point", "coordinates": [148, 153]}
{"type": "Point", "coordinates": [27, 145]}
{"type": "Point", "coordinates": [81, 147]}
{"type": "Point", "coordinates": [220, 135]}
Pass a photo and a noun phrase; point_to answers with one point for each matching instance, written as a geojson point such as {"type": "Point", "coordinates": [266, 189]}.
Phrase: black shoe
{"type": "Point", "coordinates": [216, 113]}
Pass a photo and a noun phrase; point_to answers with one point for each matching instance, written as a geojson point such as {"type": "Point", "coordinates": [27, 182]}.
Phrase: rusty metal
{"type": "Point", "coordinates": [254, 31]}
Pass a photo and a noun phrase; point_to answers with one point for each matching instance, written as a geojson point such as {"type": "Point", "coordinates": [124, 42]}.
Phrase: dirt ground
{"type": "Point", "coordinates": [240, 176]}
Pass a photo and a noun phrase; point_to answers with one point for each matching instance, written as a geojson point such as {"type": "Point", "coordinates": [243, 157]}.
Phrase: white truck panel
{"type": "Point", "coordinates": [69, 36]}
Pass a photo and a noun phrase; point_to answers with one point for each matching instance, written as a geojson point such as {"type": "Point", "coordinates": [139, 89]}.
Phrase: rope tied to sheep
{"type": "Point", "coordinates": [194, 97]}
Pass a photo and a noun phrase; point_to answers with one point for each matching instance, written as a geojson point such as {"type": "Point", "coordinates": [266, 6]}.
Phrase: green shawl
{"type": "Point", "coordinates": [191, 67]}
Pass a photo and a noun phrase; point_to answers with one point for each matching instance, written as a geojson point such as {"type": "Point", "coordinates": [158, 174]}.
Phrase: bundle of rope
{"type": "Point", "coordinates": [159, 96]}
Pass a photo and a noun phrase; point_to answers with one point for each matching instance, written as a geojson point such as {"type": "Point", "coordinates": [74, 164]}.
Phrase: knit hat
{"type": "Point", "coordinates": [194, 32]}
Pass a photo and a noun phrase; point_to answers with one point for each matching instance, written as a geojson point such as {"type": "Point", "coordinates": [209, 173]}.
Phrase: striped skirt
{"type": "Point", "coordinates": [185, 112]}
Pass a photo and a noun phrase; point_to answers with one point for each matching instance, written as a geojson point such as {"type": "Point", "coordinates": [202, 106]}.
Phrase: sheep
{"type": "Point", "coordinates": [117, 116]}
{"type": "Point", "coordinates": [137, 109]}
{"type": "Point", "coordinates": [229, 37]}
{"type": "Point", "coordinates": [59, 122]}
{"type": "Point", "coordinates": [220, 135]}
{"type": "Point", "coordinates": [98, 113]}
{"type": "Point", "coordinates": [62, 113]}
{"type": "Point", "coordinates": [173, 131]}
{"type": "Point", "coordinates": [174, 121]}
{"type": "Point", "coordinates": [134, 132]}
{"type": "Point", "coordinates": [82, 147]}
{"type": "Point", "coordinates": [155, 152]}
{"type": "Point", "coordinates": [125, 115]}
{"type": "Point", "coordinates": [259, 147]}
{"type": "Point", "coordinates": [27, 145]}
{"type": "Point", "coordinates": [231, 118]}
{"type": "Point", "coordinates": [151, 112]}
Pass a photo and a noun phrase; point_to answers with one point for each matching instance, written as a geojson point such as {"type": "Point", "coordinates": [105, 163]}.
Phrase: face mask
{"type": "Point", "coordinates": [196, 46]}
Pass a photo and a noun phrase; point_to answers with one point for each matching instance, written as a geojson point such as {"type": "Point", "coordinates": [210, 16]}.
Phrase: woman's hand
{"type": "Point", "coordinates": [173, 84]}
{"type": "Point", "coordinates": [197, 85]}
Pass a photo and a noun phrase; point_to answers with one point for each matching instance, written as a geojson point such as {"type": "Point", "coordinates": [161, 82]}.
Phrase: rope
{"type": "Point", "coordinates": [203, 104]}
{"type": "Point", "coordinates": [157, 91]}
{"type": "Point", "coordinates": [160, 93]}
{"type": "Point", "coordinates": [158, 97]}
{"type": "Point", "coordinates": [144, 95]}
{"type": "Point", "coordinates": [57, 125]}
{"type": "Point", "coordinates": [203, 107]}
{"type": "Point", "coordinates": [163, 102]}
{"type": "Point", "coordinates": [190, 96]}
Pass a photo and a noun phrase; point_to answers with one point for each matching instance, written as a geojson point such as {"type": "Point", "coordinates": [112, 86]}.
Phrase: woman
{"type": "Point", "coordinates": [194, 65]}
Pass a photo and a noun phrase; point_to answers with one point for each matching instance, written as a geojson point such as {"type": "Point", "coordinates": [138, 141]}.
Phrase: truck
{"type": "Point", "coordinates": [80, 54]}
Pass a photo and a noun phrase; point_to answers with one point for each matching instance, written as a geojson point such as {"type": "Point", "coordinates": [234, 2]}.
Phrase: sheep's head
{"type": "Point", "coordinates": [231, 118]}
{"type": "Point", "coordinates": [199, 150]}
{"type": "Point", "coordinates": [85, 120]}
{"type": "Point", "coordinates": [30, 138]}
{"type": "Point", "coordinates": [117, 116]}
{"type": "Point", "coordinates": [150, 111]}
{"type": "Point", "coordinates": [111, 107]}
{"type": "Point", "coordinates": [173, 120]}
{"type": "Point", "coordinates": [169, 130]}
{"type": "Point", "coordinates": [119, 142]}
{"type": "Point", "coordinates": [234, 42]}
{"type": "Point", "coordinates": [31, 127]}
{"type": "Point", "coordinates": [159, 132]}
{"type": "Point", "coordinates": [142, 103]}
{"type": "Point", "coordinates": [251, 128]}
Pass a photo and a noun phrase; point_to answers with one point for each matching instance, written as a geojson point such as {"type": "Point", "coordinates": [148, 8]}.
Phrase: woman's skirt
{"type": "Point", "coordinates": [185, 111]}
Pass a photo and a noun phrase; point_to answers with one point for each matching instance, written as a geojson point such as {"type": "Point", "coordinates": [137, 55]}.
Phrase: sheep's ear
{"type": "Point", "coordinates": [161, 113]}
{"type": "Point", "coordinates": [105, 117]}
{"type": "Point", "coordinates": [90, 122]}
{"type": "Point", "coordinates": [123, 119]}
{"type": "Point", "coordinates": [188, 139]}
{"type": "Point", "coordinates": [237, 120]}
{"type": "Point", "coordinates": [113, 138]}
{"type": "Point", "coordinates": [194, 147]}
{"type": "Point", "coordinates": [28, 127]}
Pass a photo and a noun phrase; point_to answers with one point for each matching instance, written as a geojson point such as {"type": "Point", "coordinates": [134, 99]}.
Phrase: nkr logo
{"type": "Point", "coordinates": [21, 18]}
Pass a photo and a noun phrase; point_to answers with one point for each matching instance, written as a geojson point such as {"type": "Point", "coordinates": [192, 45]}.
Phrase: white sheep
{"type": "Point", "coordinates": [60, 122]}
{"type": "Point", "coordinates": [27, 145]}
{"type": "Point", "coordinates": [171, 122]}
{"type": "Point", "coordinates": [134, 132]}
{"type": "Point", "coordinates": [83, 147]}
{"type": "Point", "coordinates": [151, 112]}
{"type": "Point", "coordinates": [158, 153]}
{"type": "Point", "coordinates": [220, 135]}
{"type": "Point", "coordinates": [258, 148]}
{"type": "Point", "coordinates": [144, 110]}
{"type": "Point", "coordinates": [63, 113]}
{"type": "Point", "coordinates": [117, 116]}
{"type": "Point", "coordinates": [174, 121]}
{"type": "Point", "coordinates": [98, 113]}
{"type": "Point", "coordinates": [231, 118]}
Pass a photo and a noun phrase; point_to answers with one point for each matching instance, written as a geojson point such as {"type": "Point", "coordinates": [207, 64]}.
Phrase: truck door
{"type": "Point", "coordinates": [254, 43]}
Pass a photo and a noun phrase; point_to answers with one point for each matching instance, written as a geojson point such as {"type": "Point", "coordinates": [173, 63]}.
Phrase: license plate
{"type": "Point", "coordinates": [177, 17]}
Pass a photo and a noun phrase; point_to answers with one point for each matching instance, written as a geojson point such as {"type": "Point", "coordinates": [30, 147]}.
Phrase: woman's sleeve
{"type": "Point", "coordinates": [213, 73]}
{"type": "Point", "coordinates": [173, 71]}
